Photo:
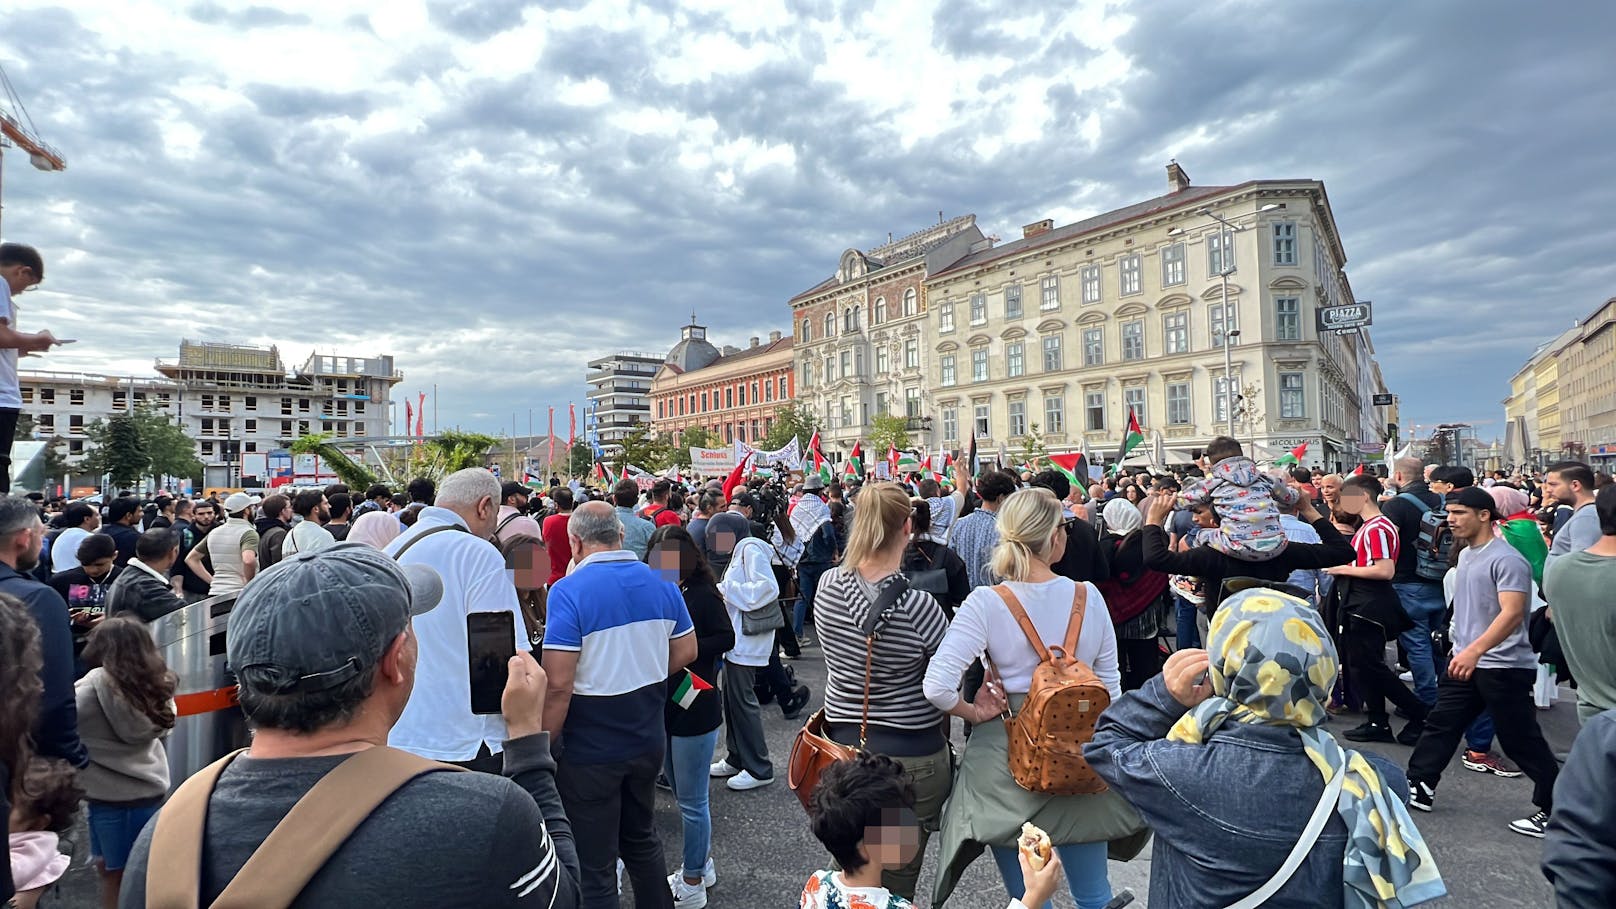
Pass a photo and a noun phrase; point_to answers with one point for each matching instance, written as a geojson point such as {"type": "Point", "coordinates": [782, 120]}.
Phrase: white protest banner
{"type": "Point", "coordinates": [789, 454]}
{"type": "Point", "coordinates": [711, 462]}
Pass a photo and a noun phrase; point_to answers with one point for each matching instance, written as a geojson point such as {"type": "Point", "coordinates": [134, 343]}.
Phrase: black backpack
{"type": "Point", "coordinates": [1435, 540]}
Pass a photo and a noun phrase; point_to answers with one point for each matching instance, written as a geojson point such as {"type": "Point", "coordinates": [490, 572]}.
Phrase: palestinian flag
{"type": "Point", "coordinates": [1359, 471]}
{"type": "Point", "coordinates": [972, 460]}
{"type": "Point", "coordinates": [689, 688]}
{"type": "Point", "coordinates": [892, 461]}
{"type": "Point", "coordinates": [821, 466]}
{"type": "Point", "coordinates": [1130, 439]}
{"type": "Point", "coordinates": [908, 462]}
{"type": "Point", "coordinates": [1075, 466]}
{"type": "Point", "coordinates": [625, 475]}
{"type": "Point", "coordinates": [855, 461]}
{"type": "Point", "coordinates": [528, 479]}
{"type": "Point", "coordinates": [1294, 457]}
{"type": "Point", "coordinates": [602, 475]}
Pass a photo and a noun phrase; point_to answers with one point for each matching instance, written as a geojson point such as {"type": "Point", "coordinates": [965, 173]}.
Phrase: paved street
{"type": "Point", "coordinates": [764, 850]}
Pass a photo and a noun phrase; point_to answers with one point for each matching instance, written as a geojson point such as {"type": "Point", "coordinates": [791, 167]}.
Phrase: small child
{"type": "Point", "coordinates": [44, 805]}
{"type": "Point", "coordinates": [1247, 501]}
{"type": "Point", "coordinates": [863, 810]}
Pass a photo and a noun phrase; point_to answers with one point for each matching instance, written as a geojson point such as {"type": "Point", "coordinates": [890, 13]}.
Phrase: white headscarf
{"type": "Point", "coordinates": [1122, 517]}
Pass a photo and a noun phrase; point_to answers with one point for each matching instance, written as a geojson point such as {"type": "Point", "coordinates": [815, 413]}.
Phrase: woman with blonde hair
{"type": "Point", "coordinates": [987, 807]}
{"type": "Point", "coordinates": [883, 679]}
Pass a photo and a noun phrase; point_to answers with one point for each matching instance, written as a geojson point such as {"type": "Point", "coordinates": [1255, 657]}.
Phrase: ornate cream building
{"type": "Point", "coordinates": [1562, 403]}
{"type": "Point", "coordinates": [733, 393]}
{"type": "Point", "coordinates": [1070, 326]}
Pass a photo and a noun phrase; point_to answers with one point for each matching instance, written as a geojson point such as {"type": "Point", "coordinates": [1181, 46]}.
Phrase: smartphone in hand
{"type": "Point", "coordinates": [490, 644]}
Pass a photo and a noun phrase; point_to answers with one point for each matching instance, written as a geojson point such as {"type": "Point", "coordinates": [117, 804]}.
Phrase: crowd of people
{"type": "Point", "coordinates": [655, 631]}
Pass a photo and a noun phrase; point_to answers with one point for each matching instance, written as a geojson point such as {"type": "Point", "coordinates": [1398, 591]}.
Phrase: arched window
{"type": "Point", "coordinates": [911, 303]}
{"type": "Point", "coordinates": [830, 324]}
{"type": "Point", "coordinates": [847, 319]}
{"type": "Point", "coordinates": [858, 316]}
{"type": "Point", "coordinates": [807, 329]}
{"type": "Point", "coordinates": [880, 314]}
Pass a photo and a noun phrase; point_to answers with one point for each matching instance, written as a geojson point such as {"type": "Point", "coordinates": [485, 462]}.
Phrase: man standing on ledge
{"type": "Point", "coordinates": [21, 268]}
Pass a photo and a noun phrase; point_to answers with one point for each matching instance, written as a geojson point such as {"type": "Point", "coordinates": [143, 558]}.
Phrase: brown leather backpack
{"type": "Point", "coordinates": [1063, 703]}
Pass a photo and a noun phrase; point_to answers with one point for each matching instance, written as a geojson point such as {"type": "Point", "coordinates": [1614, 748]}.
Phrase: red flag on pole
{"type": "Point", "coordinates": [572, 427]}
{"type": "Point", "coordinates": [420, 417]}
{"type": "Point", "coordinates": [409, 417]}
{"type": "Point", "coordinates": [552, 437]}
{"type": "Point", "coordinates": [735, 476]}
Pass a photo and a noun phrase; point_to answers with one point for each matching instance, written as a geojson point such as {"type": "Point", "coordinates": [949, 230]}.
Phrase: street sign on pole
{"type": "Point", "coordinates": [1344, 318]}
{"type": "Point", "coordinates": [1383, 400]}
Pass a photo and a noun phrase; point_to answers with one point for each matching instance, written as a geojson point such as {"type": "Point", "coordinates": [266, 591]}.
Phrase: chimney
{"type": "Point", "coordinates": [754, 341]}
{"type": "Point", "coordinates": [1177, 180]}
{"type": "Point", "coordinates": [1037, 227]}
{"type": "Point", "coordinates": [774, 336]}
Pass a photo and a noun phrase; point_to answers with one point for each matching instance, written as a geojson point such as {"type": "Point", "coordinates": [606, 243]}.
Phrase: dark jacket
{"type": "Point", "coordinates": [1226, 813]}
{"type": "Point", "coordinates": [1132, 587]}
{"type": "Point", "coordinates": [137, 591]}
{"type": "Point", "coordinates": [56, 731]}
{"type": "Point", "coordinates": [1579, 857]}
{"type": "Point", "coordinates": [189, 536]}
{"type": "Point", "coordinates": [82, 592]}
{"type": "Point", "coordinates": [1085, 559]}
{"type": "Point", "coordinates": [126, 537]}
{"type": "Point", "coordinates": [928, 555]}
{"type": "Point", "coordinates": [1406, 516]}
{"type": "Point", "coordinates": [1212, 566]}
{"type": "Point", "coordinates": [715, 636]}
{"type": "Point", "coordinates": [271, 534]}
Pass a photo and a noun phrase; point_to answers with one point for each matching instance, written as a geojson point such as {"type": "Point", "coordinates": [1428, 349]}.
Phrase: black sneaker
{"type": "Point", "coordinates": [1411, 732]}
{"type": "Point", "coordinates": [1531, 826]}
{"type": "Point", "coordinates": [792, 705]}
{"type": "Point", "coordinates": [1370, 732]}
{"type": "Point", "coordinates": [1423, 797]}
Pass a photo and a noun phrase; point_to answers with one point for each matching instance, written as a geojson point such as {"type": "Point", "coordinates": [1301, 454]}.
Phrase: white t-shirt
{"type": "Point", "coordinates": [65, 550]}
{"type": "Point", "coordinates": [306, 536]}
{"type": "Point", "coordinates": [983, 622]}
{"type": "Point", "coordinates": [10, 392]}
{"type": "Point", "coordinates": [438, 722]}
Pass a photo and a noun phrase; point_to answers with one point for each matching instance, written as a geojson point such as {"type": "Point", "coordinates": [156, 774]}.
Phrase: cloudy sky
{"type": "Point", "coordinates": [495, 191]}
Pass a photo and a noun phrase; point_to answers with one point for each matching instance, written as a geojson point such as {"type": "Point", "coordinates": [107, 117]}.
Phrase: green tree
{"type": "Point", "coordinates": [579, 461]}
{"type": "Point", "coordinates": [55, 464]}
{"type": "Point", "coordinates": [1033, 448]}
{"type": "Point", "coordinates": [117, 450]}
{"type": "Point", "coordinates": [170, 451]}
{"type": "Point", "coordinates": [349, 471]}
{"type": "Point", "coordinates": [25, 427]}
{"type": "Point", "coordinates": [643, 450]}
{"type": "Point", "coordinates": [888, 431]}
{"type": "Point", "coordinates": [693, 437]}
{"type": "Point", "coordinates": [794, 421]}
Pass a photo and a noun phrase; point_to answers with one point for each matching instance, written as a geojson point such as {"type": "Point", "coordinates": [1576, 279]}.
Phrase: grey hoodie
{"type": "Point", "coordinates": [127, 759]}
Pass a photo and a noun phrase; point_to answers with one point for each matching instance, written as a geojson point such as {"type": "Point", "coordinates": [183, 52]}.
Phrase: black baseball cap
{"type": "Point", "coordinates": [318, 619]}
{"type": "Point", "coordinates": [512, 488]}
{"type": "Point", "coordinates": [1476, 499]}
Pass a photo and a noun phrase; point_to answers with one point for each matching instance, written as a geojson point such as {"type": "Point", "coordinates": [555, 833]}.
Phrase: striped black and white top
{"type": "Point", "coordinates": [904, 645]}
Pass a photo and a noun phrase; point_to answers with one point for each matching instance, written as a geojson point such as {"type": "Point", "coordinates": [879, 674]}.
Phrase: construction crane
{"type": "Point", "coordinates": [17, 129]}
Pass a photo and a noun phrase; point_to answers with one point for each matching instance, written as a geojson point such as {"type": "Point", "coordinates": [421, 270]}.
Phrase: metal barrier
{"type": "Point", "coordinates": [209, 725]}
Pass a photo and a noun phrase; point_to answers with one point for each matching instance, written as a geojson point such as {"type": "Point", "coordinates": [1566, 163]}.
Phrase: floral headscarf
{"type": "Point", "coordinates": [1272, 663]}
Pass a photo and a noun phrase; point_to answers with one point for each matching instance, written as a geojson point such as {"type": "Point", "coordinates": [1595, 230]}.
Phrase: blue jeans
{"type": "Point", "coordinates": [1423, 603]}
{"type": "Point", "coordinates": [1085, 867]}
{"type": "Point", "coordinates": [689, 758]}
{"type": "Point", "coordinates": [1479, 737]}
{"type": "Point", "coordinates": [807, 584]}
{"type": "Point", "coordinates": [114, 829]}
{"type": "Point", "coordinates": [1189, 633]}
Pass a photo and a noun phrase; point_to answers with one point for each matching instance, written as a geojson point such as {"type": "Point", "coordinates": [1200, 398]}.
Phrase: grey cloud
{"type": "Point", "coordinates": [304, 103]}
{"type": "Point", "coordinates": [251, 17]}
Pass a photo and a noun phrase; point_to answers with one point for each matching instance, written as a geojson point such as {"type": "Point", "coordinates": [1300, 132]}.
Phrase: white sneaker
{"type": "Point", "coordinates": [745, 780]}
{"type": "Point", "coordinates": [722, 769]}
{"type": "Point", "coordinates": [620, 867]}
{"type": "Point", "coordinates": [688, 896]}
{"type": "Point", "coordinates": [1406, 677]}
{"type": "Point", "coordinates": [709, 875]}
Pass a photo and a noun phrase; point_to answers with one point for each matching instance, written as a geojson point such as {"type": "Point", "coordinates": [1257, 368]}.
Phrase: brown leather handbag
{"type": "Point", "coordinates": [812, 750]}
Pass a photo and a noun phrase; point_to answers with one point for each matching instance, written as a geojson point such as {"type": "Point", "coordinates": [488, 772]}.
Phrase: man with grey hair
{"type": "Point", "coordinates": [56, 730]}
{"type": "Point", "coordinates": [451, 537]}
{"type": "Point", "coordinates": [1421, 596]}
{"type": "Point", "coordinates": [617, 630]}
{"type": "Point", "coordinates": [324, 646]}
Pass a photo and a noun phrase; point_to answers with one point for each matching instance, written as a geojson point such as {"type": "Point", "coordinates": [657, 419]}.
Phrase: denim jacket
{"type": "Point", "coordinates": [1225, 814]}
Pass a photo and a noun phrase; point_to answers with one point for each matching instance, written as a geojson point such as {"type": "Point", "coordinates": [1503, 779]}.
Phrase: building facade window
{"type": "Point", "coordinates": [1094, 410]}
{"type": "Point", "coordinates": [1133, 398]}
{"type": "Point", "coordinates": [704, 405]}
{"type": "Point", "coordinates": [1178, 403]}
{"type": "Point", "coordinates": [1292, 396]}
{"type": "Point", "coordinates": [1052, 353]}
{"type": "Point", "coordinates": [1089, 277]}
{"type": "Point", "coordinates": [1287, 319]}
{"type": "Point", "coordinates": [1018, 418]}
{"type": "Point", "coordinates": [1176, 332]}
{"type": "Point", "coordinates": [979, 364]}
{"type": "Point", "coordinates": [830, 325]}
{"type": "Point", "coordinates": [911, 302]}
{"type": "Point", "coordinates": [1049, 292]}
{"type": "Point", "coordinates": [1054, 413]}
{"type": "Point", "coordinates": [1221, 389]}
{"type": "Point", "coordinates": [1128, 275]}
{"type": "Point", "coordinates": [879, 314]}
{"type": "Point", "coordinates": [1093, 346]}
{"type": "Point", "coordinates": [729, 398]}
{"type": "Point", "coordinates": [847, 365]}
{"type": "Point", "coordinates": [1015, 361]}
{"type": "Point", "coordinates": [1284, 243]}
{"type": "Point", "coordinates": [781, 394]}
{"type": "Point", "coordinates": [1217, 325]}
{"type": "Point", "coordinates": [830, 370]}
{"type": "Point", "coordinates": [947, 361]}
{"type": "Point", "coordinates": [911, 354]}
{"type": "Point", "coordinates": [981, 422]}
{"type": "Point", "coordinates": [1220, 253]}
{"type": "Point", "coordinates": [1012, 301]}
{"type": "Point", "coordinates": [883, 360]}
{"type": "Point", "coordinates": [1172, 259]}
{"type": "Point", "coordinates": [945, 316]}
{"type": "Point", "coordinates": [1133, 340]}
{"type": "Point", "coordinates": [950, 424]}
{"type": "Point", "coordinates": [911, 402]}
{"type": "Point", "coordinates": [979, 309]}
